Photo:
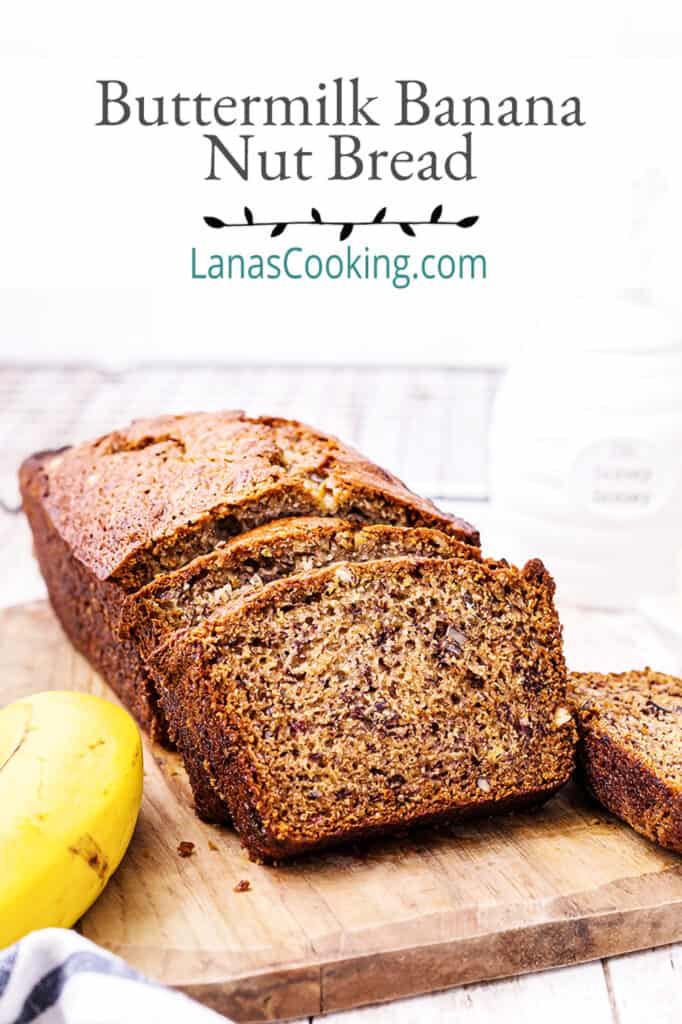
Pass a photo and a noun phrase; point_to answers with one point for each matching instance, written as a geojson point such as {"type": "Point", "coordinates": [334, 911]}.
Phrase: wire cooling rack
{"type": "Point", "coordinates": [429, 426]}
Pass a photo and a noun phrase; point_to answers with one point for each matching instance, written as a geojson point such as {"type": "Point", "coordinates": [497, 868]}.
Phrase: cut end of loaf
{"type": "Point", "coordinates": [630, 748]}
{"type": "Point", "coordinates": [363, 697]}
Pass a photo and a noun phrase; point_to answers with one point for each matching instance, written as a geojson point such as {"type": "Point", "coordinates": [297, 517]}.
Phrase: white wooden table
{"type": "Point", "coordinates": [379, 412]}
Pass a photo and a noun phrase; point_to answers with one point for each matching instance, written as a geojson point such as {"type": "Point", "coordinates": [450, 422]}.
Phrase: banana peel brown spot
{"type": "Point", "coordinates": [22, 738]}
{"type": "Point", "coordinates": [92, 853]}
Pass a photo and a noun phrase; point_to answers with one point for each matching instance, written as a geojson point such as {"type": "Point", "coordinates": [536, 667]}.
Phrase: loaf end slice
{"type": "Point", "coordinates": [359, 698]}
{"type": "Point", "coordinates": [630, 749]}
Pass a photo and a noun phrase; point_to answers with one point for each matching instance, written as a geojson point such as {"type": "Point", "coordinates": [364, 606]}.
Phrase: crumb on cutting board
{"type": "Point", "coordinates": [185, 849]}
{"type": "Point", "coordinates": [242, 886]}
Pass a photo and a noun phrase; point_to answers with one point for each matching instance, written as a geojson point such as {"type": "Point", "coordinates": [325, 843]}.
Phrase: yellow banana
{"type": "Point", "coordinates": [70, 790]}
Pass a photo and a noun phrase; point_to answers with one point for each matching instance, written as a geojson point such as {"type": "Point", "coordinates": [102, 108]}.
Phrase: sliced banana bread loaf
{"type": "Point", "coordinates": [186, 596]}
{"type": "Point", "coordinates": [109, 515]}
{"type": "Point", "coordinates": [356, 698]}
{"type": "Point", "coordinates": [209, 584]}
{"type": "Point", "coordinates": [630, 748]}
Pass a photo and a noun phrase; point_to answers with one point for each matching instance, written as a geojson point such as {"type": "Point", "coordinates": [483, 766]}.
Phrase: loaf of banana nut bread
{"type": "Point", "coordinates": [110, 515]}
{"type": "Point", "coordinates": [630, 749]}
{"type": "Point", "coordinates": [208, 584]}
{"type": "Point", "coordinates": [355, 698]}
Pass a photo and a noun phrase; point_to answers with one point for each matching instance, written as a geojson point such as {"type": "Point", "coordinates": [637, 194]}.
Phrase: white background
{"type": "Point", "coordinates": [98, 223]}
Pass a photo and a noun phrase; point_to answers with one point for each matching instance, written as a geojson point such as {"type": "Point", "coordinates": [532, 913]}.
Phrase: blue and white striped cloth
{"type": "Point", "coordinates": [55, 976]}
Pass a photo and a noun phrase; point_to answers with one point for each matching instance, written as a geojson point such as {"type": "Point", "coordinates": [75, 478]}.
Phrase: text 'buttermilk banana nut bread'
{"type": "Point", "coordinates": [630, 748]}
{"type": "Point", "coordinates": [209, 584]}
{"type": "Point", "coordinates": [356, 698]}
{"type": "Point", "coordinates": [110, 515]}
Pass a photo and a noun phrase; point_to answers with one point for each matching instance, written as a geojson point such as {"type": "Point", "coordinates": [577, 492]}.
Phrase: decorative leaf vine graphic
{"type": "Point", "coordinates": [346, 226]}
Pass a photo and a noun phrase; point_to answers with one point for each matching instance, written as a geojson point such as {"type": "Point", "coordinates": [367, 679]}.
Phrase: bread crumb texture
{"type": "Point", "coordinates": [360, 697]}
{"type": "Point", "coordinates": [211, 582]}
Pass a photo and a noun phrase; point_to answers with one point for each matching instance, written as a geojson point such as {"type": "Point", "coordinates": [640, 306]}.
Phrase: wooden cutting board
{"type": "Point", "coordinates": [393, 918]}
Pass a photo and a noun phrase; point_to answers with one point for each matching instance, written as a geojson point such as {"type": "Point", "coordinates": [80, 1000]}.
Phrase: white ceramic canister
{"type": "Point", "coordinates": [586, 456]}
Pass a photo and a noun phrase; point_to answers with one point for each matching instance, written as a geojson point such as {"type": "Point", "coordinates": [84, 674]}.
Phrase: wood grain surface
{"type": "Point", "coordinates": [389, 919]}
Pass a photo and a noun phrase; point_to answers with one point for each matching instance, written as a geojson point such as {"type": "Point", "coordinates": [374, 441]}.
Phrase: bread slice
{"type": "Point", "coordinates": [630, 749]}
{"type": "Point", "coordinates": [356, 698]}
{"type": "Point", "coordinates": [209, 583]}
{"type": "Point", "coordinates": [108, 516]}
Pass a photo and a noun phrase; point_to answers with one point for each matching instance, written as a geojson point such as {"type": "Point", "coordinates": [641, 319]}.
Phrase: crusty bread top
{"type": "Point", "coordinates": [122, 501]}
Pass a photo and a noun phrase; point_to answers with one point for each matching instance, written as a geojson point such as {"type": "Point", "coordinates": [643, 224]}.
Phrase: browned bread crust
{"type": "Point", "coordinates": [630, 748]}
{"type": "Point", "coordinates": [90, 613]}
{"type": "Point", "coordinates": [141, 501]}
{"type": "Point", "coordinates": [186, 596]}
{"type": "Point", "coordinates": [88, 609]}
{"type": "Point", "coordinates": [357, 698]}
